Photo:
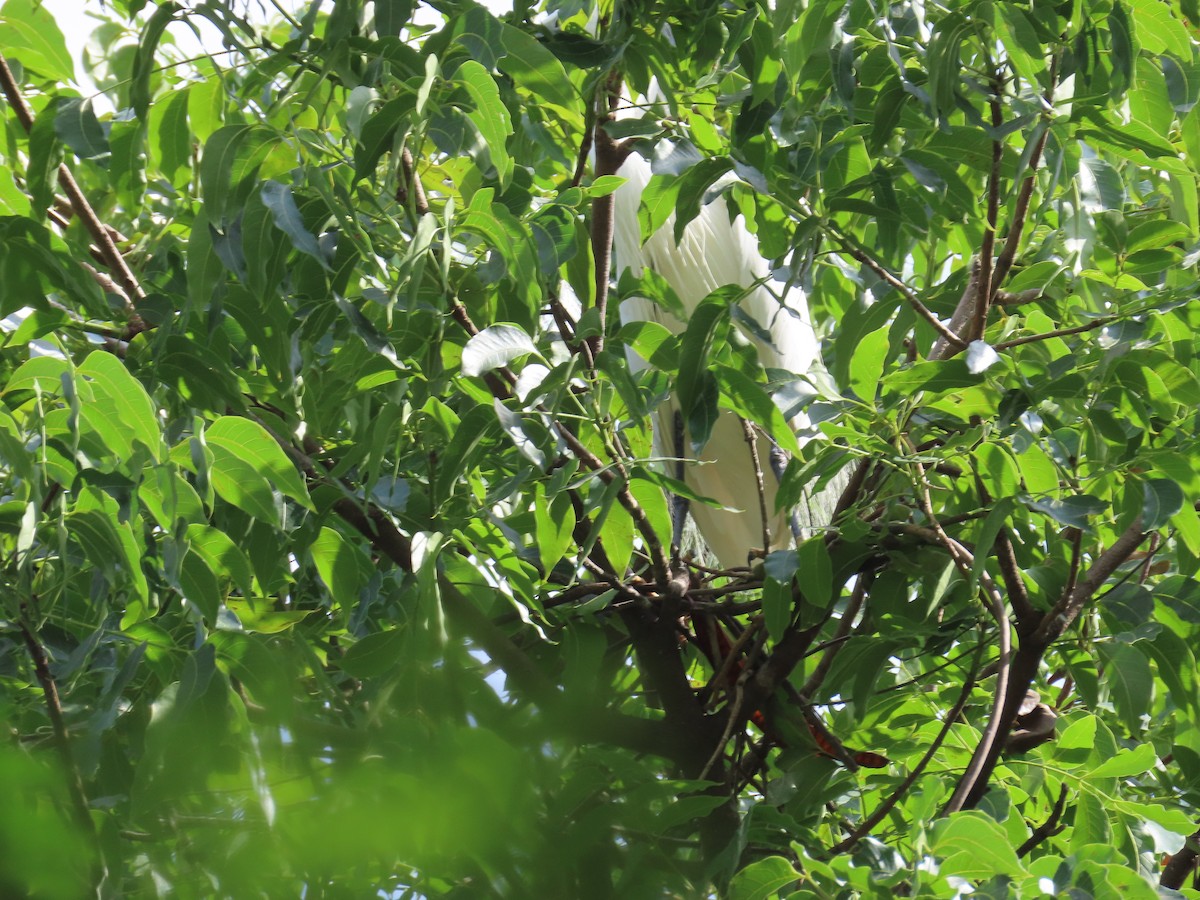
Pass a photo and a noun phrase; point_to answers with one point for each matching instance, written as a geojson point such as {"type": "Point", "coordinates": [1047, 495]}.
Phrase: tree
{"type": "Point", "coordinates": [336, 556]}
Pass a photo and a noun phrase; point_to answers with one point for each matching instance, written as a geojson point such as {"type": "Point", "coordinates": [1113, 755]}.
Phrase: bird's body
{"type": "Point", "coordinates": [714, 251]}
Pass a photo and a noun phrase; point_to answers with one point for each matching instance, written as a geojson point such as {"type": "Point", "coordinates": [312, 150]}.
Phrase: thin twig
{"type": "Point", "coordinates": [983, 296]}
{"type": "Point", "coordinates": [752, 443]}
{"type": "Point", "coordinates": [609, 156]}
{"type": "Point", "coordinates": [913, 300]}
{"type": "Point", "coordinates": [80, 811]}
{"type": "Point", "coordinates": [1072, 603]}
{"type": "Point", "coordinates": [1060, 332]}
{"type": "Point", "coordinates": [625, 497]}
{"type": "Point", "coordinates": [965, 562]}
{"type": "Point", "coordinates": [838, 640]}
{"type": "Point", "coordinates": [897, 795]}
{"type": "Point", "coordinates": [413, 182]}
{"type": "Point", "coordinates": [1052, 826]}
{"type": "Point", "coordinates": [1009, 254]}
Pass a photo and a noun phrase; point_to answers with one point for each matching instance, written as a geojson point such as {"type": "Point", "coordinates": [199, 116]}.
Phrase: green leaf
{"type": "Point", "coordinates": [815, 572]}
{"type": "Point", "coordinates": [200, 587]}
{"type": "Point", "coordinates": [866, 365]}
{"type": "Point", "coordinates": [1074, 511]}
{"type": "Point", "coordinates": [249, 466]}
{"type": "Point", "coordinates": [1159, 31]}
{"type": "Point", "coordinates": [379, 133]}
{"type": "Point", "coordinates": [1079, 735]}
{"type": "Point", "coordinates": [1161, 499]}
{"type": "Point", "coordinates": [935, 376]}
{"type": "Point", "coordinates": [1124, 49]}
{"type": "Point", "coordinates": [555, 526]}
{"type": "Point", "coordinates": [490, 116]}
{"type": "Point", "coordinates": [28, 32]}
{"type": "Point", "coordinates": [750, 400]}
{"type": "Point", "coordinates": [277, 197]}
{"type": "Point", "coordinates": [77, 126]}
{"type": "Point", "coordinates": [698, 393]}
{"type": "Point", "coordinates": [494, 347]}
{"type": "Point", "coordinates": [223, 557]}
{"type": "Point", "coordinates": [144, 64]}
{"type": "Point", "coordinates": [131, 408]}
{"type": "Point", "coordinates": [973, 845]}
{"type": "Point", "coordinates": [228, 166]}
{"type": "Point", "coordinates": [374, 654]}
{"type": "Point", "coordinates": [1130, 683]}
{"type": "Point", "coordinates": [535, 68]}
{"type": "Point", "coordinates": [997, 470]}
{"type": "Point", "coordinates": [763, 879]}
{"type": "Point", "coordinates": [1126, 763]}
{"type": "Point", "coordinates": [780, 567]}
{"type": "Point", "coordinates": [339, 565]}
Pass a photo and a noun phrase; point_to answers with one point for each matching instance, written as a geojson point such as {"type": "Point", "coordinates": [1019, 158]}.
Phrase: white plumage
{"type": "Point", "coordinates": [713, 252]}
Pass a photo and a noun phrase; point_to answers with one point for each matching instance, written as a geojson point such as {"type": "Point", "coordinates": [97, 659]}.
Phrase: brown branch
{"type": "Point", "coordinates": [1010, 570]}
{"type": "Point", "coordinates": [1035, 642]}
{"type": "Point", "coordinates": [852, 489]}
{"type": "Point", "coordinates": [997, 723]}
{"type": "Point", "coordinates": [1052, 826]}
{"type": "Point", "coordinates": [1182, 863]}
{"type": "Point", "coordinates": [752, 443]}
{"type": "Point", "coordinates": [62, 738]}
{"type": "Point", "coordinates": [1072, 603]}
{"type": "Point", "coordinates": [413, 182]}
{"type": "Point", "coordinates": [947, 334]}
{"type": "Point", "coordinates": [1014, 582]}
{"type": "Point", "coordinates": [1060, 332]}
{"type": "Point", "coordinates": [625, 497]}
{"type": "Point", "coordinates": [983, 298]}
{"type": "Point", "coordinates": [585, 146]}
{"type": "Point", "coordinates": [131, 288]}
{"type": "Point", "coordinates": [1009, 254]}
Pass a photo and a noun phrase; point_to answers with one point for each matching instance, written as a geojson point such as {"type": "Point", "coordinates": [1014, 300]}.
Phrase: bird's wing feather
{"type": "Point", "coordinates": [716, 250]}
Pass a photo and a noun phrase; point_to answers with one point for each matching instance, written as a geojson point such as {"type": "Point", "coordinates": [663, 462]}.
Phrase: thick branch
{"type": "Point", "coordinates": [1181, 864]}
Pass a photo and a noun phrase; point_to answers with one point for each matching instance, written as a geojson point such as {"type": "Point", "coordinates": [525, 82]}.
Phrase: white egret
{"type": "Point", "coordinates": [714, 251]}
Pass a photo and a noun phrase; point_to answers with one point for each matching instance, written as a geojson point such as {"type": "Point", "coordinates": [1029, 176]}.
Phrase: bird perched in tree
{"type": "Point", "coordinates": [716, 250]}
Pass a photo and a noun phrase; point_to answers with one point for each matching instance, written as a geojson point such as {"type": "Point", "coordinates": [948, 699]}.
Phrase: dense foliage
{"type": "Point", "coordinates": [336, 556]}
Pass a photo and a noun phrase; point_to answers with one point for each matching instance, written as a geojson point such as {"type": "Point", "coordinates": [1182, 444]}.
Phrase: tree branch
{"type": "Point", "coordinates": [865, 827]}
{"type": "Point", "coordinates": [1072, 603]}
{"type": "Point", "coordinates": [121, 272]}
{"type": "Point", "coordinates": [1049, 828]}
{"type": "Point", "coordinates": [80, 811]}
{"type": "Point", "coordinates": [1181, 864]}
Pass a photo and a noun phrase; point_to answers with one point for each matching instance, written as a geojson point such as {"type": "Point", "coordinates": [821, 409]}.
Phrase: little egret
{"type": "Point", "coordinates": [715, 251]}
